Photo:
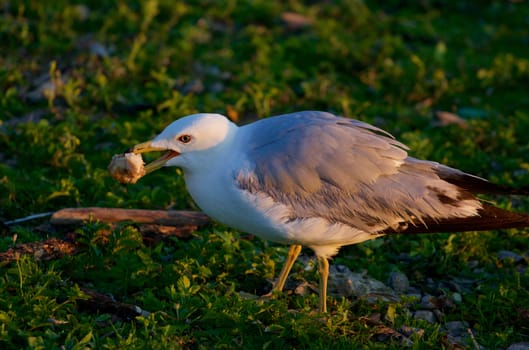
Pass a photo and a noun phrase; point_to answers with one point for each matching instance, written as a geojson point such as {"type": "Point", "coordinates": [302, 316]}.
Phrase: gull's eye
{"type": "Point", "coordinates": [184, 138]}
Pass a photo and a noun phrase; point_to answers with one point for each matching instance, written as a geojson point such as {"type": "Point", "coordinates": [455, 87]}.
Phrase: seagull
{"type": "Point", "coordinates": [321, 181]}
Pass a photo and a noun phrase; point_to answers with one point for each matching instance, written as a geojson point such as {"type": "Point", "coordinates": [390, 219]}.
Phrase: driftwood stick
{"type": "Point", "coordinates": [75, 216]}
{"type": "Point", "coordinates": [154, 225]}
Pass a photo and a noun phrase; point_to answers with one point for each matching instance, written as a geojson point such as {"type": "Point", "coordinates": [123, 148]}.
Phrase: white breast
{"type": "Point", "coordinates": [216, 194]}
{"type": "Point", "coordinates": [259, 214]}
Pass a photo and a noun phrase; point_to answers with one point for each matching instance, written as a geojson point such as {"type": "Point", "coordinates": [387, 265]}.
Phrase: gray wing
{"type": "Point", "coordinates": [346, 171]}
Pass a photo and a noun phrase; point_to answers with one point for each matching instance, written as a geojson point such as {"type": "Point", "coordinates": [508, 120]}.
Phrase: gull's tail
{"type": "Point", "coordinates": [488, 218]}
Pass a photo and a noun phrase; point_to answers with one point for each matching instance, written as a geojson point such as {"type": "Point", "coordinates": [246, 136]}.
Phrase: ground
{"type": "Point", "coordinates": [84, 81]}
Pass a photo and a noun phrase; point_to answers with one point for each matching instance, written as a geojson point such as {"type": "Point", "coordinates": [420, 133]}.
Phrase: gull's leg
{"type": "Point", "coordinates": [293, 253]}
{"type": "Point", "coordinates": [323, 267]}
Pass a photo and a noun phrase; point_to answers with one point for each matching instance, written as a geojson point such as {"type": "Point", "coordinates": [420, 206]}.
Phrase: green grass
{"type": "Point", "coordinates": [122, 71]}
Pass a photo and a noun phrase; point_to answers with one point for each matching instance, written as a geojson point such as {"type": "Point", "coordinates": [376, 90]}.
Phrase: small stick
{"type": "Point", "coordinates": [75, 216]}
{"type": "Point", "coordinates": [154, 225]}
{"type": "Point", "coordinates": [474, 342]}
{"type": "Point", "coordinates": [28, 218]}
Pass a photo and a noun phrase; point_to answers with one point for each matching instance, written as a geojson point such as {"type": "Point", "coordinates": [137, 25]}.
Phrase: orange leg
{"type": "Point", "coordinates": [323, 267]}
{"type": "Point", "coordinates": [293, 253]}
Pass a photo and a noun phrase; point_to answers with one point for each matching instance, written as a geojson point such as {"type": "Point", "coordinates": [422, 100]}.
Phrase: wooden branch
{"type": "Point", "coordinates": [154, 225]}
{"type": "Point", "coordinates": [76, 216]}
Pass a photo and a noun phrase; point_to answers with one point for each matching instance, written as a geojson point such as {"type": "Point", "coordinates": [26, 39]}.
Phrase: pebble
{"type": "Point", "coordinates": [457, 328]}
{"type": "Point", "coordinates": [457, 298]}
{"type": "Point", "coordinates": [431, 284]}
{"type": "Point", "coordinates": [343, 282]}
{"type": "Point", "coordinates": [478, 270]}
{"type": "Point", "coordinates": [506, 255]}
{"type": "Point", "coordinates": [473, 264]}
{"type": "Point", "coordinates": [98, 49]}
{"type": "Point", "coordinates": [459, 284]}
{"type": "Point", "coordinates": [399, 282]}
{"type": "Point", "coordinates": [425, 315]}
{"type": "Point", "coordinates": [428, 302]}
{"type": "Point", "coordinates": [414, 290]}
{"type": "Point", "coordinates": [194, 86]}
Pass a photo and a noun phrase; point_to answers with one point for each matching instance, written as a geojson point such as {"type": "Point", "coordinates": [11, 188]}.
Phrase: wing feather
{"type": "Point", "coordinates": [346, 171]}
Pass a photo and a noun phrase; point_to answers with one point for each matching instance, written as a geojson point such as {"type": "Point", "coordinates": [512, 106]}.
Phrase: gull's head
{"type": "Point", "coordinates": [189, 142]}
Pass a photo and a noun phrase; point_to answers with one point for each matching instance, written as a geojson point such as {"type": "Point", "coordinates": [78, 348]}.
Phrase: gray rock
{"type": "Point", "coordinates": [478, 270]}
{"type": "Point", "coordinates": [343, 282]}
{"type": "Point", "coordinates": [459, 284]}
{"type": "Point", "coordinates": [399, 282]}
{"type": "Point", "coordinates": [457, 328]}
{"type": "Point", "coordinates": [425, 315]}
{"type": "Point", "coordinates": [459, 336]}
{"type": "Point", "coordinates": [457, 298]}
{"type": "Point", "coordinates": [519, 346]}
{"type": "Point", "coordinates": [428, 302]}
{"type": "Point", "coordinates": [195, 86]}
{"type": "Point", "coordinates": [431, 284]}
{"type": "Point", "coordinates": [216, 87]}
{"type": "Point", "coordinates": [473, 264]}
{"type": "Point", "coordinates": [507, 255]}
{"type": "Point", "coordinates": [98, 49]}
{"type": "Point", "coordinates": [414, 290]}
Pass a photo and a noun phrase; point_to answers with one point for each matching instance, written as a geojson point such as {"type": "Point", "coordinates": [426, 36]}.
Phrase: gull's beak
{"type": "Point", "coordinates": [158, 163]}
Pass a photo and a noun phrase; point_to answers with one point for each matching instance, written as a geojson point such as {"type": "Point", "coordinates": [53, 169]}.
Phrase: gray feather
{"type": "Point", "coordinates": [345, 171]}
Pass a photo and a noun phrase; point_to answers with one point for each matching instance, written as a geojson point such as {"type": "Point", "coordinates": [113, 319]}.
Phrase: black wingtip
{"type": "Point", "coordinates": [488, 218]}
{"type": "Point", "coordinates": [474, 184]}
